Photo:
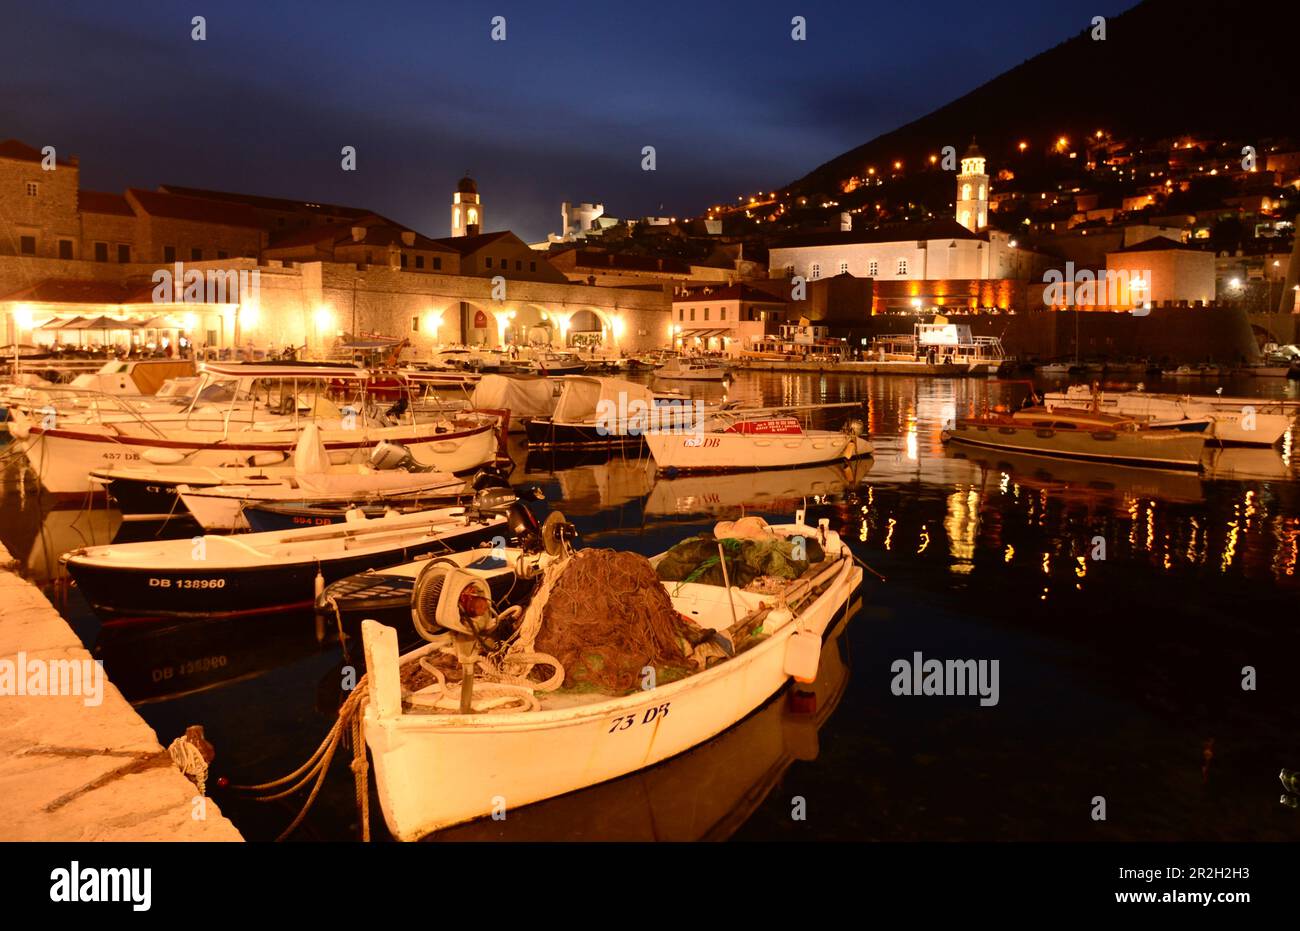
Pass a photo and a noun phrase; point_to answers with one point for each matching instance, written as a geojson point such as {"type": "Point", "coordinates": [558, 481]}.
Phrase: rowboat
{"type": "Point", "coordinates": [438, 763]}
{"type": "Point", "coordinates": [1243, 421]}
{"type": "Point", "coordinates": [62, 453]}
{"type": "Point", "coordinates": [258, 573]}
{"type": "Point", "coordinates": [1081, 434]}
{"type": "Point", "coordinates": [764, 441]}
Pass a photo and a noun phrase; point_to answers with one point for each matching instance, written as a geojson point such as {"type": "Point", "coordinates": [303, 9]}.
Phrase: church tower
{"type": "Point", "coordinates": [466, 211]}
{"type": "Point", "coordinates": [973, 191]}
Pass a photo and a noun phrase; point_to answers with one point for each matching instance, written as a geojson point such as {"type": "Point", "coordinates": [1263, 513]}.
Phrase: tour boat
{"type": "Point", "coordinates": [755, 442]}
{"type": "Point", "coordinates": [680, 369]}
{"type": "Point", "coordinates": [258, 573]}
{"type": "Point", "coordinates": [1081, 434]}
{"type": "Point", "coordinates": [63, 453]}
{"type": "Point", "coordinates": [439, 761]}
{"type": "Point", "coordinates": [1244, 421]}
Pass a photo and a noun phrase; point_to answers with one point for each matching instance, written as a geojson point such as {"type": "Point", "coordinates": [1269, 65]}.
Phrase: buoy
{"type": "Point", "coordinates": [803, 653]}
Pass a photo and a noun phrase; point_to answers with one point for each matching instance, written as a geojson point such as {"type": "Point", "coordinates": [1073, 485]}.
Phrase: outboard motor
{"type": "Point", "coordinates": [387, 456]}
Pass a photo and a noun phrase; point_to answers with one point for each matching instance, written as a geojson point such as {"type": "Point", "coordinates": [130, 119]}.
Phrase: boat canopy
{"type": "Point", "coordinates": [522, 396]}
{"type": "Point", "coordinates": [583, 397]}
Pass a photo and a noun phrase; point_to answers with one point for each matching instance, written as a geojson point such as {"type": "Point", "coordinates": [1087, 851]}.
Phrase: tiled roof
{"type": "Point", "coordinates": [82, 291]}
{"type": "Point", "coordinates": [909, 232]}
{"type": "Point", "coordinates": [197, 209]}
{"type": "Point", "coordinates": [735, 292]}
{"type": "Point", "coordinates": [467, 244]}
{"type": "Point", "coordinates": [21, 151]}
{"type": "Point", "coordinates": [265, 203]}
{"type": "Point", "coordinates": [102, 202]}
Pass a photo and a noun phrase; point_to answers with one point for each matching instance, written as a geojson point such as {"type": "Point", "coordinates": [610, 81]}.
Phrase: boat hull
{"type": "Point", "coordinates": [686, 452]}
{"type": "Point", "coordinates": [63, 459]}
{"type": "Point", "coordinates": [1170, 449]}
{"type": "Point", "coordinates": [436, 771]}
{"type": "Point", "coordinates": [125, 593]}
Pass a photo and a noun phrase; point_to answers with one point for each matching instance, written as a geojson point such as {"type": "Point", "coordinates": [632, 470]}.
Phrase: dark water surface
{"type": "Point", "coordinates": [1118, 677]}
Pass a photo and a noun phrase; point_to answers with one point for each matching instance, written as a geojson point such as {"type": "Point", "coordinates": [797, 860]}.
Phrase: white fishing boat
{"type": "Point", "coordinates": [684, 369]}
{"type": "Point", "coordinates": [448, 752]}
{"type": "Point", "coordinates": [552, 363]}
{"type": "Point", "coordinates": [770, 439]}
{"type": "Point", "coordinates": [1083, 434]}
{"type": "Point", "coordinates": [62, 451]}
{"type": "Point", "coordinates": [1239, 421]}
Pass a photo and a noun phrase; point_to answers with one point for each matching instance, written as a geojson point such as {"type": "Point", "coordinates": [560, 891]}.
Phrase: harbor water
{"type": "Point", "coordinates": [1145, 625]}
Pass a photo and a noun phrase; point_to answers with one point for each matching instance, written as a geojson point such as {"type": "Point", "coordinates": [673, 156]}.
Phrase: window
{"type": "Point", "coordinates": [902, 266]}
{"type": "Point", "coordinates": [532, 266]}
{"type": "Point", "coordinates": [33, 188]}
{"type": "Point", "coordinates": [873, 268]}
{"type": "Point", "coordinates": [169, 253]}
{"type": "Point", "coordinates": [706, 313]}
{"type": "Point", "coordinates": [816, 271]}
{"type": "Point", "coordinates": [692, 313]}
{"type": "Point", "coordinates": [789, 271]}
{"type": "Point", "coordinates": [196, 255]}
{"type": "Point", "coordinates": [519, 266]}
{"type": "Point", "coordinates": [437, 262]}
{"type": "Point", "coordinates": [965, 192]}
{"type": "Point", "coordinates": [419, 261]}
{"type": "Point", "coordinates": [681, 313]}
{"type": "Point", "coordinates": [65, 248]}
{"type": "Point", "coordinates": [101, 252]}
{"type": "Point", "coordinates": [844, 268]}
{"type": "Point", "coordinates": [124, 253]}
{"type": "Point", "coordinates": [222, 254]}
{"type": "Point", "coordinates": [401, 259]}
{"type": "Point", "coordinates": [723, 315]}
{"type": "Point", "coordinates": [487, 261]}
{"type": "Point", "coordinates": [981, 192]}
{"type": "Point", "coordinates": [27, 245]}
{"type": "Point", "coordinates": [415, 324]}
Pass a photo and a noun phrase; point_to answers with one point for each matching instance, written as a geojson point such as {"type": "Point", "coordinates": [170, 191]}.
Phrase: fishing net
{"type": "Point", "coordinates": [696, 559]}
{"type": "Point", "coordinates": [607, 617]}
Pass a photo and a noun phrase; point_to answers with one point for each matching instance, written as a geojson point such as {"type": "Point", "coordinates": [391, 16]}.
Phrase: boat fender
{"type": "Point", "coordinates": [319, 583]}
{"type": "Point", "coordinates": [802, 655]}
{"type": "Point", "coordinates": [162, 456]}
{"type": "Point", "coordinates": [353, 515]}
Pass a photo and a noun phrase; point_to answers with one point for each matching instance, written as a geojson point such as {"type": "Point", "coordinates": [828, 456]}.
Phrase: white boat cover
{"type": "Point", "coordinates": [523, 397]}
{"type": "Point", "coordinates": [310, 455]}
{"type": "Point", "coordinates": [583, 397]}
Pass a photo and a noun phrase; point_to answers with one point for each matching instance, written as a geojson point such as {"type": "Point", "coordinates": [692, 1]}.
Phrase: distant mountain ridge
{"type": "Point", "coordinates": [1165, 68]}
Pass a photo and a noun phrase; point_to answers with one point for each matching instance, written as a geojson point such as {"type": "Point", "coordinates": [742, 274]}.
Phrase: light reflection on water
{"type": "Point", "coordinates": [1122, 604]}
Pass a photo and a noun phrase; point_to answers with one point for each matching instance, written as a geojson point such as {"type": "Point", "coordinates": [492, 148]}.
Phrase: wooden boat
{"type": "Point", "coordinates": [257, 573]}
{"type": "Point", "coordinates": [435, 767]}
{"type": "Point", "coordinates": [62, 454]}
{"type": "Point", "coordinates": [1243, 421]}
{"type": "Point", "coordinates": [1081, 434]}
{"type": "Point", "coordinates": [680, 369]}
{"type": "Point", "coordinates": [765, 441]}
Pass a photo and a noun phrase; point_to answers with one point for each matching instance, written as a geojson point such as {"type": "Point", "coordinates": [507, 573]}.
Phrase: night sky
{"type": "Point", "coordinates": [558, 111]}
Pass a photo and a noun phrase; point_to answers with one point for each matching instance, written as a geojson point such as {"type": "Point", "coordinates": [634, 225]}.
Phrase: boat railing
{"type": "Point", "coordinates": [92, 409]}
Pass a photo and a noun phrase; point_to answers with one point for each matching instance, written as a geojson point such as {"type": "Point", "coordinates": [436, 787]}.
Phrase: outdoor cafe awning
{"type": "Point", "coordinates": [704, 333]}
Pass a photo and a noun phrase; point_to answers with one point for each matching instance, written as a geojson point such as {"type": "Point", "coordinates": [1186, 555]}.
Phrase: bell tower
{"type": "Point", "coordinates": [466, 211]}
{"type": "Point", "coordinates": [973, 191]}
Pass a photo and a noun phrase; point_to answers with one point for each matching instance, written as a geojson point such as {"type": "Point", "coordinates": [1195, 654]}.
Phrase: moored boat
{"type": "Point", "coordinates": [767, 441]}
{"type": "Point", "coordinates": [448, 752]}
{"type": "Point", "coordinates": [1081, 434]}
{"type": "Point", "coordinates": [258, 573]}
{"type": "Point", "coordinates": [684, 369]}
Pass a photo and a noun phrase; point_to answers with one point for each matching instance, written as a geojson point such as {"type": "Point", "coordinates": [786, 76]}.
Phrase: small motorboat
{"type": "Point", "coordinates": [756, 441]}
{"type": "Point", "coordinates": [259, 573]}
{"type": "Point", "coordinates": [682, 369]}
{"type": "Point", "coordinates": [480, 713]}
{"type": "Point", "coordinates": [1082, 434]}
{"type": "Point", "coordinates": [1237, 421]}
{"type": "Point", "coordinates": [598, 411]}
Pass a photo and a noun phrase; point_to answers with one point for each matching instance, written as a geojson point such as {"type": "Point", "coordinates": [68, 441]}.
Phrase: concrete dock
{"type": "Point", "coordinates": [930, 370]}
{"type": "Point", "coordinates": [80, 767]}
